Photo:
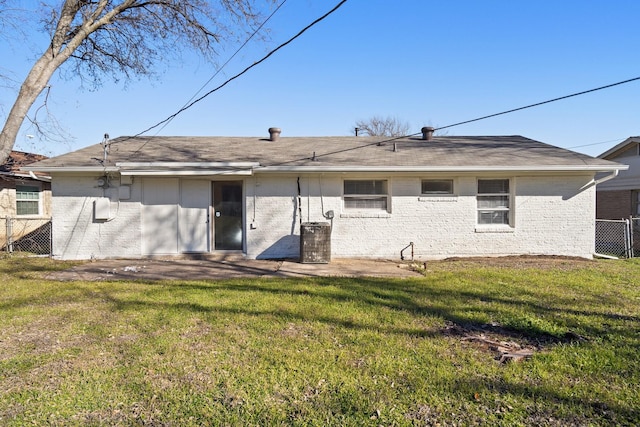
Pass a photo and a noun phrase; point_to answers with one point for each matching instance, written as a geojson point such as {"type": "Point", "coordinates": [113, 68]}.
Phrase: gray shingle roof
{"type": "Point", "coordinates": [335, 153]}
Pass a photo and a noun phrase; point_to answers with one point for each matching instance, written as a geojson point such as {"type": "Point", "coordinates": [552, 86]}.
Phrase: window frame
{"type": "Point", "coordinates": [437, 193]}
{"type": "Point", "coordinates": [30, 201]}
{"type": "Point", "coordinates": [364, 196]}
{"type": "Point", "coordinates": [496, 196]}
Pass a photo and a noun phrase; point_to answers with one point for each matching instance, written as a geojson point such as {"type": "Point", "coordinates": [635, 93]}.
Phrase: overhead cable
{"type": "Point", "coordinates": [540, 103]}
{"type": "Point", "coordinates": [257, 30]}
{"type": "Point", "coordinates": [191, 104]}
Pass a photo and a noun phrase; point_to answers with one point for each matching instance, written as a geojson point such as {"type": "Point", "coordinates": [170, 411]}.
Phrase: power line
{"type": "Point", "coordinates": [540, 103]}
{"type": "Point", "coordinates": [192, 103]}
{"type": "Point", "coordinates": [596, 143]}
{"type": "Point", "coordinates": [257, 30]}
{"type": "Point", "coordinates": [391, 139]}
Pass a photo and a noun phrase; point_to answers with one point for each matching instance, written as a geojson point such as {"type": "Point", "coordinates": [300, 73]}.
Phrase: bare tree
{"type": "Point", "coordinates": [382, 126]}
{"type": "Point", "coordinates": [97, 38]}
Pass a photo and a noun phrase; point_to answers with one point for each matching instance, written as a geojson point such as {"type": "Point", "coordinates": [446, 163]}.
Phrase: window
{"type": "Point", "coordinates": [437, 186]}
{"type": "Point", "coordinates": [27, 200]}
{"type": "Point", "coordinates": [493, 201]}
{"type": "Point", "coordinates": [365, 195]}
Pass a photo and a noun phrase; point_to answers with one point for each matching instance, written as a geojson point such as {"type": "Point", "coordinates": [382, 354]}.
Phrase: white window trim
{"type": "Point", "coordinates": [453, 187]}
{"type": "Point", "coordinates": [366, 213]}
{"type": "Point", "coordinates": [30, 184]}
{"type": "Point", "coordinates": [439, 197]}
{"type": "Point", "coordinates": [496, 228]}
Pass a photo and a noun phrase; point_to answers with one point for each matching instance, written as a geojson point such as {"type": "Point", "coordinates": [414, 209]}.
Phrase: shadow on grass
{"type": "Point", "coordinates": [430, 298]}
{"type": "Point", "coordinates": [546, 399]}
{"type": "Point", "coordinates": [25, 267]}
{"type": "Point", "coordinates": [414, 296]}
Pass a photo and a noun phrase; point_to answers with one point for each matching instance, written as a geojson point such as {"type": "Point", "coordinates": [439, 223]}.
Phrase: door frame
{"type": "Point", "coordinates": [212, 215]}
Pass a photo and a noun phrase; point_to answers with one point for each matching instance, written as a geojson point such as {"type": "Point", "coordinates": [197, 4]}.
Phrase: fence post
{"type": "Point", "coordinates": [627, 238]}
{"type": "Point", "coordinates": [9, 234]}
{"type": "Point", "coordinates": [631, 240]}
{"type": "Point", "coordinates": [50, 237]}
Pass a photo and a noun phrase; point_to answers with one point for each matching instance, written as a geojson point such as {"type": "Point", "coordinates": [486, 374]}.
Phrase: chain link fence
{"type": "Point", "coordinates": [616, 237]}
{"type": "Point", "coordinates": [635, 237]}
{"type": "Point", "coordinates": [28, 235]}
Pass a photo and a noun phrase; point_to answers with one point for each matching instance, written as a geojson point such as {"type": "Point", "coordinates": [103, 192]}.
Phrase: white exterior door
{"type": "Point", "coordinates": [175, 216]}
{"type": "Point", "coordinates": [160, 200]}
{"type": "Point", "coordinates": [193, 220]}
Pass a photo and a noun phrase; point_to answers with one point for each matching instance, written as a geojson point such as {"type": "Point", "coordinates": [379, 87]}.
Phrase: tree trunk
{"type": "Point", "coordinates": [33, 85]}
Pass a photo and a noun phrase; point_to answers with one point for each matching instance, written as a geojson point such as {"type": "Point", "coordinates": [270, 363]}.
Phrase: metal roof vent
{"type": "Point", "coordinates": [274, 134]}
{"type": "Point", "coordinates": [427, 133]}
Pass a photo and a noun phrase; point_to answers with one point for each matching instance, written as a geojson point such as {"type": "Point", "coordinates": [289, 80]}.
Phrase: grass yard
{"type": "Point", "coordinates": [328, 351]}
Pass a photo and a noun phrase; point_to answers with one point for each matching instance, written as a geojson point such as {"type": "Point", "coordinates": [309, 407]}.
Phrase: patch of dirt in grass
{"type": "Point", "coordinates": [503, 344]}
{"type": "Point", "coordinates": [37, 338]}
{"type": "Point", "coordinates": [424, 415]}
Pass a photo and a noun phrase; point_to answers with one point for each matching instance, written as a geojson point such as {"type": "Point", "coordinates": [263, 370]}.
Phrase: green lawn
{"type": "Point", "coordinates": [328, 351]}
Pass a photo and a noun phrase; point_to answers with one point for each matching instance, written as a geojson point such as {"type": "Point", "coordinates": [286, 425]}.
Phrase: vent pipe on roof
{"type": "Point", "coordinates": [427, 133]}
{"type": "Point", "coordinates": [274, 134]}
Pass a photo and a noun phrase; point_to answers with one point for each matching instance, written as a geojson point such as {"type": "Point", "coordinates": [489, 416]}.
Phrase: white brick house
{"type": "Point", "coordinates": [449, 196]}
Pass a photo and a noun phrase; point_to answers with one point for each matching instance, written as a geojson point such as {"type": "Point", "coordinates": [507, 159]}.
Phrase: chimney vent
{"type": "Point", "coordinates": [427, 133]}
{"type": "Point", "coordinates": [274, 134]}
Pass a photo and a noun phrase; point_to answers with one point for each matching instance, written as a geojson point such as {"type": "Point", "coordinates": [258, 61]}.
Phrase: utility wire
{"type": "Point", "coordinates": [192, 103]}
{"type": "Point", "coordinates": [391, 139]}
{"type": "Point", "coordinates": [596, 143]}
{"type": "Point", "coordinates": [226, 62]}
{"type": "Point", "coordinates": [540, 103]}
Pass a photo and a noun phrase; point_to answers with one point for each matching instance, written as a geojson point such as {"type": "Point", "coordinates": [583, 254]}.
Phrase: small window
{"type": "Point", "coordinates": [493, 201]}
{"type": "Point", "coordinates": [437, 186]}
{"type": "Point", "coordinates": [27, 200]}
{"type": "Point", "coordinates": [365, 195]}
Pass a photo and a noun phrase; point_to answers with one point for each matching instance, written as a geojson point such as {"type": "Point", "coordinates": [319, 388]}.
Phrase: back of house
{"type": "Point", "coordinates": [279, 197]}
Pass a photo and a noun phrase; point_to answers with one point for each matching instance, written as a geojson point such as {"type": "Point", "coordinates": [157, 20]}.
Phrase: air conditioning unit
{"type": "Point", "coordinates": [315, 243]}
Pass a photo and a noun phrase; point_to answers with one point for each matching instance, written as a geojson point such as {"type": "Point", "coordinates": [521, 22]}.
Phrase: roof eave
{"type": "Point", "coordinates": [613, 150]}
{"type": "Point", "coordinates": [98, 169]}
{"type": "Point", "coordinates": [250, 168]}
{"type": "Point", "coordinates": [541, 168]}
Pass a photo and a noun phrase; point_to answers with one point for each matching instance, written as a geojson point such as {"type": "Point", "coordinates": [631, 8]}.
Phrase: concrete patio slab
{"type": "Point", "coordinates": [228, 267]}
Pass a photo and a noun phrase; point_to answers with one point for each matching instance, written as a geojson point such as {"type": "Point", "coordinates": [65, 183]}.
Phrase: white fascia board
{"type": "Point", "coordinates": [98, 169]}
{"type": "Point", "coordinates": [184, 165]}
{"type": "Point", "coordinates": [186, 168]}
{"type": "Point", "coordinates": [189, 172]}
{"type": "Point", "coordinates": [544, 168]}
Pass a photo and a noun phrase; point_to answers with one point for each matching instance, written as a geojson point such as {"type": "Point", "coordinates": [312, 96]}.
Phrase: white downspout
{"type": "Point", "coordinates": [607, 178]}
{"type": "Point", "coordinates": [601, 180]}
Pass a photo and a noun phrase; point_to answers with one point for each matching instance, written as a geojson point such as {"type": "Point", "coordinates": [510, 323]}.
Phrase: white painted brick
{"type": "Point", "coordinates": [551, 215]}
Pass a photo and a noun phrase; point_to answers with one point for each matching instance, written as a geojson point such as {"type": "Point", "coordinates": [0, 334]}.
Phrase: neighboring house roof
{"type": "Point", "coordinates": [628, 153]}
{"type": "Point", "coordinates": [620, 148]}
{"type": "Point", "coordinates": [12, 167]}
{"type": "Point", "coordinates": [163, 154]}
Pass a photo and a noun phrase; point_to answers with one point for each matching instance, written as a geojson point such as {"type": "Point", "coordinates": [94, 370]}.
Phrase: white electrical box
{"type": "Point", "coordinates": [101, 209]}
{"type": "Point", "coordinates": [124, 192]}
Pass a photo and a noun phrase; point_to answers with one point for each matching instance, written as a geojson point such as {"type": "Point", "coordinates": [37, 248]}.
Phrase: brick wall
{"type": "Point", "coordinates": [550, 215]}
{"type": "Point", "coordinates": [616, 204]}
{"type": "Point", "coordinates": [77, 235]}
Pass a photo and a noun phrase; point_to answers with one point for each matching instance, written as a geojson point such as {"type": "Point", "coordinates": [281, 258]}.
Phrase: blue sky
{"type": "Point", "coordinates": [425, 62]}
